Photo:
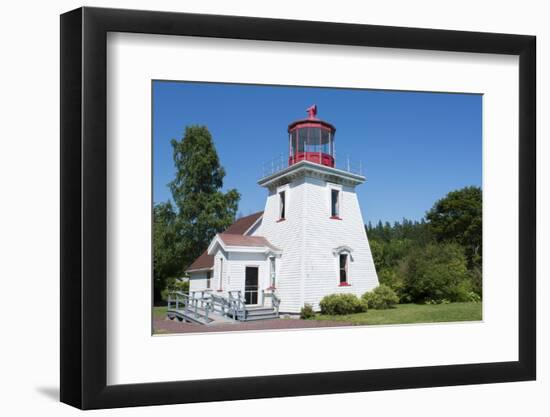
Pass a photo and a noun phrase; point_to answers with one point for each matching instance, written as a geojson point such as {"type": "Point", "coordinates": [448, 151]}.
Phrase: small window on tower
{"type": "Point", "coordinates": [343, 268]}
{"type": "Point", "coordinates": [282, 205]}
{"type": "Point", "coordinates": [335, 203]}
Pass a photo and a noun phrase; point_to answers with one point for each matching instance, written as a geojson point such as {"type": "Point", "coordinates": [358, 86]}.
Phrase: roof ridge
{"type": "Point", "coordinates": [250, 215]}
{"type": "Point", "coordinates": [238, 234]}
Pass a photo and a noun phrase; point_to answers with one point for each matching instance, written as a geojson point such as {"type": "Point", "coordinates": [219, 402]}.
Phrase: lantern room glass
{"type": "Point", "coordinates": [311, 142]}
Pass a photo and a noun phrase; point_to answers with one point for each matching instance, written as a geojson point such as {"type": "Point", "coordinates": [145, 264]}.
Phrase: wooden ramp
{"type": "Point", "coordinates": [199, 317]}
{"type": "Point", "coordinates": [208, 309]}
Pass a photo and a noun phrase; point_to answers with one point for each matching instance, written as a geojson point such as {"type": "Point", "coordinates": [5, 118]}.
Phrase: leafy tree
{"type": "Point", "coordinates": [458, 218]}
{"type": "Point", "coordinates": [167, 247]}
{"type": "Point", "coordinates": [436, 272]}
{"type": "Point", "coordinates": [391, 278]}
{"type": "Point", "coordinates": [377, 251]}
{"type": "Point", "coordinates": [201, 211]}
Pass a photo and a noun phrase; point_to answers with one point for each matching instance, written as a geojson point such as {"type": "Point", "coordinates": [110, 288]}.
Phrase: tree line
{"type": "Point", "coordinates": [437, 259]}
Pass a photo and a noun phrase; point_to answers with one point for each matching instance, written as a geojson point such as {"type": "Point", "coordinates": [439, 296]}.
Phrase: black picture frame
{"type": "Point", "coordinates": [84, 207]}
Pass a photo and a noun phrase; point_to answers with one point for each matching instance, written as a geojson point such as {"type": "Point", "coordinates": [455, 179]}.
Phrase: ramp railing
{"type": "Point", "coordinates": [189, 304]}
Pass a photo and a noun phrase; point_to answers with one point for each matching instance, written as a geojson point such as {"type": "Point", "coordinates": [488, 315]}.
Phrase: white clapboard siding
{"type": "Point", "coordinates": [287, 235]}
{"type": "Point", "coordinates": [324, 234]}
{"type": "Point", "coordinates": [239, 262]}
{"type": "Point", "coordinates": [233, 273]}
{"type": "Point", "coordinates": [197, 281]}
{"type": "Point", "coordinates": [308, 268]}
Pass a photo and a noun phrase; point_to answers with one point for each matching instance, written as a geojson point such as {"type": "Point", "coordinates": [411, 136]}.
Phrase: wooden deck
{"type": "Point", "coordinates": [199, 308]}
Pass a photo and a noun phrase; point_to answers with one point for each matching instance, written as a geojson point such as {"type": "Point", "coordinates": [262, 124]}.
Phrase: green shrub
{"type": "Point", "coordinates": [438, 301]}
{"type": "Point", "coordinates": [381, 297]}
{"type": "Point", "coordinates": [436, 272]}
{"type": "Point", "coordinates": [182, 286]}
{"type": "Point", "coordinates": [174, 284]}
{"type": "Point", "coordinates": [463, 291]}
{"type": "Point", "coordinates": [338, 304]}
{"type": "Point", "coordinates": [473, 297]}
{"type": "Point", "coordinates": [390, 278]}
{"type": "Point", "coordinates": [307, 312]}
{"type": "Point", "coordinates": [368, 299]}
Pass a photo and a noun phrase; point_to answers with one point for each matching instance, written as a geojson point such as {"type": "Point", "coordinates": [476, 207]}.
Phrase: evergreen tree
{"type": "Point", "coordinates": [202, 209]}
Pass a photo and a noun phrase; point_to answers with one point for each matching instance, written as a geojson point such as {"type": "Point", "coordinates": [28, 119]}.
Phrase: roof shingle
{"type": "Point", "coordinates": [243, 224]}
{"type": "Point", "coordinates": [206, 261]}
{"type": "Point", "coordinates": [241, 240]}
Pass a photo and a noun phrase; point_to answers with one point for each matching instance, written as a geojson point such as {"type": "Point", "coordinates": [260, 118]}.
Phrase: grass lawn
{"type": "Point", "coordinates": [412, 313]}
{"type": "Point", "coordinates": [401, 314]}
{"type": "Point", "coordinates": [159, 312]}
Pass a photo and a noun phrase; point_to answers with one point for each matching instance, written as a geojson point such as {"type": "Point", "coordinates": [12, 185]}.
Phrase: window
{"type": "Point", "coordinates": [272, 271]}
{"type": "Point", "coordinates": [221, 274]}
{"type": "Point", "coordinates": [343, 269]}
{"type": "Point", "coordinates": [208, 279]}
{"type": "Point", "coordinates": [335, 203]}
{"type": "Point", "coordinates": [282, 205]}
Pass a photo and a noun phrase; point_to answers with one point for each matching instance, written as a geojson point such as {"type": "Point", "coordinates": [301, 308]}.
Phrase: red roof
{"type": "Point", "coordinates": [241, 240]}
{"type": "Point", "coordinates": [243, 224]}
{"type": "Point", "coordinates": [206, 261]}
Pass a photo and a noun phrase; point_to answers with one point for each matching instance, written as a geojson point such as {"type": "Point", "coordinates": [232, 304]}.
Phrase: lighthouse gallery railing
{"type": "Point", "coordinates": [281, 162]}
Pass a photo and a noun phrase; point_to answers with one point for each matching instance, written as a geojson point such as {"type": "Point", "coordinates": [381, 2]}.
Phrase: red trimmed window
{"type": "Point", "coordinates": [282, 205]}
{"type": "Point", "coordinates": [335, 204]}
{"type": "Point", "coordinates": [208, 279]}
{"type": "Point", "coordinates": [344, 269]}
{"type": "Point", "coordinates": [221, 275]}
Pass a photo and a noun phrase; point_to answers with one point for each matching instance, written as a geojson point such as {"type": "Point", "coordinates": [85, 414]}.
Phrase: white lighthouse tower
{"type": "Point", "coordinates": [312, 214]}
{"type": "Point", "coordinates": [309, 241]}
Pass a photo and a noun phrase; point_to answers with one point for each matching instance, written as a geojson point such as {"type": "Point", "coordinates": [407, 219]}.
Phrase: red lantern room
{"type": "Point", "coordinates": [311, 140]}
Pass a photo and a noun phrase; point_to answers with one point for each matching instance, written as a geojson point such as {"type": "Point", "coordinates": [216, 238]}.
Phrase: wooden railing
{"type": "Point", "coordinates": [189, 303]}
{"type": "Point", "coordinates": [237, 305]}
{"type": "Point", "coordinates": [201, 303]}
{"type": "Point", "coordinates": [220, 304]}
{"type": "Point", "coordinates": [275, 300]}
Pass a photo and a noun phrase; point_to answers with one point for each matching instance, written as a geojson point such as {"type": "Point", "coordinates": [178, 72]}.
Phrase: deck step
{"type": "Point", "coordinates": [260, 311]}
{"type": "Point", "coordinates": [262, 317]}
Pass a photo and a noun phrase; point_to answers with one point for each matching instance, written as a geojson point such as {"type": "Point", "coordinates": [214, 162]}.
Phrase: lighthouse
{"type": "Point", "coordinates": [312, 213]}
{"type": "Point", "coordinates": [310, 239]}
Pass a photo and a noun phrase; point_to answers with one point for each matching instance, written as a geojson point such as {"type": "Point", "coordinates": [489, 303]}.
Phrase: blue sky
{"type": "Point", "coordinates": [414, 146]}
